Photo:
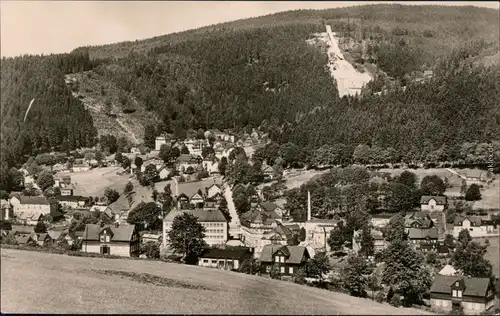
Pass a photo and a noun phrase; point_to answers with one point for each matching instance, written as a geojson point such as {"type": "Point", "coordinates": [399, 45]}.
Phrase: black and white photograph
{"type": "Point", "coordinates": [250, 157]}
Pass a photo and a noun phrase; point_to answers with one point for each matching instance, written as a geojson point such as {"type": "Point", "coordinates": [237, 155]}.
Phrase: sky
{"type": "Point", "coordinates": [36, 27]}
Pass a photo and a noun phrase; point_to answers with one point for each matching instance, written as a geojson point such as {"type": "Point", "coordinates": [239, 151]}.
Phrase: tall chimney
{"type": "Point", "coordinates": [308, 205]}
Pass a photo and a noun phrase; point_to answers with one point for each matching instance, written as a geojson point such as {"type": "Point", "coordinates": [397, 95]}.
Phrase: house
{"type": "Point", "coordinates": [271, 207]}
{"type": "Point", "coordinates": [439, 248]}
{"type": "Point", "coordinates": [211, 165]}
{"type": "Point", "coordinates": [71, 201]}
{"type": "Point", "coordinates": [120, 240]}
{"type": "Point", "coordinates": [268, 172]}
{"type": "Point", "coordinates": [55, 234]}
{"type": "Point", "coordinates": [29, 204]}
{"type": "Point", "coordinates": [433, 203]}
{"type": "Point", "coordinates": [380, 220]}
{"type": "Point", "coordinates": [19, 230]}
{"type": "Point", "coordinates": [449, 270]}
{"type": "Point", "coordinates": [213, 220]}
{"type": "Point", "coordinates": [80, 168]}
{"type": "Point", "coordinates": [213, 190]}
{"type": "Point", "coordinates": [30, 218]}
{"type": "Point", "coordinates": [286, 259]}
{"type": "Point", "coordinates": [162, 140]}
{"type": "Point", "coordinates": [419, 236]}
{"type": "Point", "coordinates": [225, 259]}
{"type": "Point", "coordinates": [197, 199]}
{"type": "Point", "coordinates": [164, 172]}
{"type": "Point", "coordinates": [25, 240]}
{"type": "Point", "coordinates": [43, 239]}
{"type": "Point", "coordinates": [6, 210]}
{"type": "Point", "coordinates": [67, 190]}
{"type": "Point", "coordinates": [475, 176]}
{"type": "Point", "coordinates": [475, 295]}
{"type": "Point", "coordinates": [150, 237]}
{"type": "Point", "coordinates": [474, 224]}
{"type": "Point", "coordinates": [58, 167]}
{"type": "Point", "coordinates": [418, 220]}
{"type": "Point", "coordinates": [185, 161]}
{"type": "Point", "coordinates": [379, 242]}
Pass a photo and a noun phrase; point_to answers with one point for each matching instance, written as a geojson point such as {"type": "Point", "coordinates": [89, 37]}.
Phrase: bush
{"type": "Point", "coordinates": [380, 297]}
{"type": "Point", "coordinates": [395, 301]}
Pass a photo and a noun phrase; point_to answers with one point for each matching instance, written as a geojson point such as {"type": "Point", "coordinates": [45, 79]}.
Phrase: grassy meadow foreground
{"type": "Point", "coordinates": [62, 284]}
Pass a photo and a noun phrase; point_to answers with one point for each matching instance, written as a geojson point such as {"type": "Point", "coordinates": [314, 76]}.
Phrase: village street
{"type": "Point", "coordinates": [234, 225]}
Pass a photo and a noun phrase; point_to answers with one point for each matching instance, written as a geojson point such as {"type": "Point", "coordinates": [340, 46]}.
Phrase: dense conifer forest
{"type": "Point", "coordinates": [260, 72]}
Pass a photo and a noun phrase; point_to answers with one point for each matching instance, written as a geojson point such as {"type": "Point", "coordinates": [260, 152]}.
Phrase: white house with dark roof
{"type": "Point", "coordinates": [287, 259]}
{"type": "Point", "coordinates": [118, 240]}
{"type": "Point", "coordinates": [185, 161]}
{"type": "Point", "coordinates": [476, 226]}
{"type": "Point", "coordinates": [213, 220]}
{"type": "Point", "coordinates": [30, 204]}
{"type": "Point", "coordinates": [475, 295]}
{"type": "Point", "coordinates": [432, 203]}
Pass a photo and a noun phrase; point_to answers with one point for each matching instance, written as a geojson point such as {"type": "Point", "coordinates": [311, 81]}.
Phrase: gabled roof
{"type": "Point", "coordinates": [22, 229]}
{"type": "Point", "coordinates": [190, 188]}
{"type": "Point", "coordinates": [120, 233]}
{"type": "Point", "coordinates": [55, 234]}
{"type": "Point", "coordinates": [475, 220]}
{"type": "Point", "coordinates": [284, 231]}
{"type": "Point", "coordinates": [295, 253]}
{"type": "Point", "coordinates": [70, 198]}
{"type": "Point", "coordinates": [477, 287]}
{"type": "Point", "coordinates": [43, 236]}
{"type": "Point", "coordinates": [187, 158]}
{"type": "Point", "coordinates": [293, 227]}
{"type": "Point", "coordinates": [200, 214]}
{"type": "Point", "coordinates": [268, 206]}
{"type": "Point", "coordinates": [267, 218]}
{"type": "Point", "coordinates": [440, 200]}
{"type": "Point", "coordinates": [417, 233]}
{"type": "Point", "coordinates": [235, 254]}
{"type": "Point", "coordinates": [23, 239]}
{"type": "Point", "coordinates": [36, 200]}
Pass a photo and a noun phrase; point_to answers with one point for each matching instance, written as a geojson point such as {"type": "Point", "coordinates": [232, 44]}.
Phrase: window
{"type": "Point", "coordinates": [459, 293]}
{"type": "Point", "coordinates": [108, 238]}
{"type": "Point", "coordinates": [282, 269]}
{"type": "Point", "coordinates": [290, 270]}
{"type": "Point", "coordinates": [454, 294]}
{"type": "Point", "coordinates": [102, 238]}
{"type": "Point", "coordinates": [282, 259]}
{"type": "Point", "coordinates": [268, 269]}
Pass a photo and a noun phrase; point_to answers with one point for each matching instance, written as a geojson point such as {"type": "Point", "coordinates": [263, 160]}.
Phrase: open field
{"type": "Point", "coordinates": [490, 193]}
{"type": "Point", "coordinates": [295, 178]}
{"type": "Point", "coordinates": [490, 196]}
{"type": "Point", "coordinates": [493, 252]}
{"type": "Point", "coordinates": [93, 182]}
{"type": "Point", "coordinates": [63, 284]}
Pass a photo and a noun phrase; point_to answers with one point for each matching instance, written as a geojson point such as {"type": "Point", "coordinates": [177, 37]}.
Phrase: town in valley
{"type": "Point", "coordinates": [168, 175]}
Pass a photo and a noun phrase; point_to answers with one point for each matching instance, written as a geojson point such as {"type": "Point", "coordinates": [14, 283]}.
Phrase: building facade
{"type": "Point", "coordinates": [475, 295]}
{"type": "Point", "coordinates": [216, 232]}
{"type": "Point", "coordinates": [111, 240]}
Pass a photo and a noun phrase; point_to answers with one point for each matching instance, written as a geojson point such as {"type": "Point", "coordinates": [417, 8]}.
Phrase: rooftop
{"type": "Point", "coordinates": [440, 200]}
{"type": "Point", "coordinates": [473, 286]}
{"type": "Point", "coordinates": [228, 253]}
{"type": "Point", "coordinates": [294, 253]}
{"type": "Point", "coordinates": [120, 233]}
{"type": "Point", "coordinates": [201, 214]}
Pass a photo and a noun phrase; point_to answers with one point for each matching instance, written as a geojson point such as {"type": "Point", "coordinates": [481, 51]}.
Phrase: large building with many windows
{"type": "Point", "coordinates": [212, 219]}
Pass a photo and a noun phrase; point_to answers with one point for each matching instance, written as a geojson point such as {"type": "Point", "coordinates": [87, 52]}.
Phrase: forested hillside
{"type": "Point", "coordinates": [56, 120]}
{"type": "Point", "coordinates": [261, 72]}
